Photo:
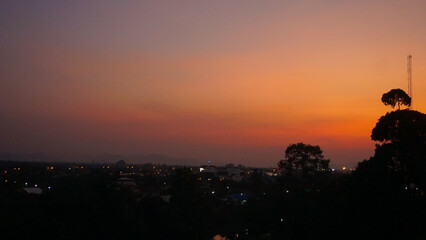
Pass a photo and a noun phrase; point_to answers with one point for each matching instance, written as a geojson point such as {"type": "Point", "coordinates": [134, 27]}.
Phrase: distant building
{"type": "Point", "coordinates": [208, 171]}
{"type": "Point", "coordinates": [228, 173]}
{"type": "Point", "coordinates": [33, 190]}
{"type": "Point", "coordinates": [235, 174]}
{"type": "Point", "coordinates": [129, 182]}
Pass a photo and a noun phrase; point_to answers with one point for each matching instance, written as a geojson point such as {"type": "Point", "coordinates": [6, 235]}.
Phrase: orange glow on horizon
{"type": "Point", "coordinates": [200, 79]}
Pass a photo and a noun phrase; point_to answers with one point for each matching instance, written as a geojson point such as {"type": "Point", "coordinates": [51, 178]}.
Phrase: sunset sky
{"type": "Point", "coordinates": [226, 81]}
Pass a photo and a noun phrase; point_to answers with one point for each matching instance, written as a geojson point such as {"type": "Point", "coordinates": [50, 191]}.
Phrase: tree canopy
{"type": "Point", "coordinates": [401, 126]}
{"type": "Point", "coordinates": [402, 134]}
{"type": "Point", "coordinates": [304, 159]}
{"type": "Point", "coordinates": [396, 96]}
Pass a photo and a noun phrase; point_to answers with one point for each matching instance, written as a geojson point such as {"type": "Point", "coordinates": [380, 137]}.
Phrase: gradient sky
{"type": "Point", "coordinates": [226, 81]}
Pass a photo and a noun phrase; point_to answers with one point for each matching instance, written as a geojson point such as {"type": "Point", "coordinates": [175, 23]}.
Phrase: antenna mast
{"type": "Point", "coordinates": [410, 82]}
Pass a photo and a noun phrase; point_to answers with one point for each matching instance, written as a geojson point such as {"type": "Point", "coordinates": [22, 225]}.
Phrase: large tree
{"type": "Point", "coordinates": [303, 159]}
{"type": "Point", "coordinates": [403, 132]}
{"type": "Point", "coordinates": [402, 142]}
{"type": "Point", "coordinates": [396, 96]}
{"type": "Point", "coordinates": [401, 127]}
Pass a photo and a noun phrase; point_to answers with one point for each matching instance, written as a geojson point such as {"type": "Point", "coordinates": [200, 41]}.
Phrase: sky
{"type": "Point", "coordinates": [225, 81]}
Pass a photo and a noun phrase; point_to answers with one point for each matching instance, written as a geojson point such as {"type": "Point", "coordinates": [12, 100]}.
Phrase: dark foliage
{"type": "Point", "coordinates": [403, 149]}
{"type": "Point", "coordinates": [303, 159]}
{"type": "Point", "coordinates": [396, 96]}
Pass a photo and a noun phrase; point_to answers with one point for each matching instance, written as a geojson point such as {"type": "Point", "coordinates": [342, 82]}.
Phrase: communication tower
{"type": "Point", "coordinates": [410, 81]}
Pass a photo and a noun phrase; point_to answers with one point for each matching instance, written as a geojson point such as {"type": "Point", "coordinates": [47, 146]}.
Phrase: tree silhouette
{"type": "Point", "coordinates": [401, 127]}
{"type": "Point", "coordinates": [304, 159]}
{"type": "Point", "coordinates": [404, 131]}
{"type": "Point", "coordinates": [396, 96]}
